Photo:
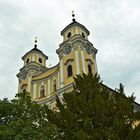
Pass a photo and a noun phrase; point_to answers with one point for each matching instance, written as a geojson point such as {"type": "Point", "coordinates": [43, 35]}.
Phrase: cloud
{"type": "Point", "coordinates": [114, 27]}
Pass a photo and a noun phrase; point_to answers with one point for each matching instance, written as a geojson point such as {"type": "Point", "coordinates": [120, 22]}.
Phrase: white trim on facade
{"type": "Point", "coordinates": [61, 74]}
{"type": "Point", "coordinates": [76, 30]}
{"type": "Point", "coordinates": [18, 87]}
{"type": "Point", "coordinates": [49, 88]}
{"type": "Point", "coordinates": [58, 78]}
{"type": "Point", "coordinates": [33, 58]}
{"type": "Point", "coordinates": [43, 84]}
{"type": "Point", "coordinates": [80, 31]}
{"type": "Point", "coordinates": [45, 88]}
{"type": "Point", "coordinates": [83, 61]}
{"type": "Point", "coordinates": [34, 90]}
{"type": "Point", "coordinates": [29, 84]}
{"type": "Point", "coordinates": [95, 65]}
{"type": "Point", "coordinates": [77, 62]}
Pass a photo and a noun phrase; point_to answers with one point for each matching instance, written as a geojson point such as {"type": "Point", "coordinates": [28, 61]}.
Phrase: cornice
{"type": "Point", "coordinates": [45, 78]}
{"type": "Point", "coordinates": [74, 41]}
{"type": "Point", "coordinates": [33, 63]}
{"type": "Point", "coordinates": [33, 51]}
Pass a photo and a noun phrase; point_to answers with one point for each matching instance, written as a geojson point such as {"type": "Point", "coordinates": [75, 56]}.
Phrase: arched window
{"type": "Point", "coordinates": [69, 70]}
{"type": "Point", "coordinates": [54, 85]}
{"type": "Point", "coordinates": [89, 69]}
{"type": "Point", "coordinates": [42, 91]}
{"type": "Point", "coordinates": [27, 61]}
{"type": "Point", "coordinates": [24, 90]}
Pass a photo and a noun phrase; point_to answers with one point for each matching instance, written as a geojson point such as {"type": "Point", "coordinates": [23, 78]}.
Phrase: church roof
{"type": "Point", "coordinates": [75, 23]}
{"type": "Point", "coordinates": [35, 49]}
{"type": "Point", "coordinates": [49, 72]}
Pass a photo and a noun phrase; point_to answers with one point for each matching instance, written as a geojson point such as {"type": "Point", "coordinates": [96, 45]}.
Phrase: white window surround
{"type": "Point", "coordinates": [33, 58]}
{"type": "Point", "coordinates": [68, 63]}
{"type": "Point", "coordinates": [54, 85]}
{"type": "Point", "coordinates": [58, 78]}
{"type": "Point", "coordinates": [29, 84]}
{"type": "Point", "coordinates": [61, 73]}
{"type": "Point", "coordinates": [42, 84]}
{"type": "Point", "coordinates": [83, 61]}
{"type": "Point", "coordinates": [34, 90]}
{"type": "Point", "coordinates": [89, 62]}
{"type": "Point", "coordinates": [49, 88]}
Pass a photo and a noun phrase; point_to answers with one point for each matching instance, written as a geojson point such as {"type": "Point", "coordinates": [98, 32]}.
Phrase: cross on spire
{"type": "Point", "coordinates": [35, 42]}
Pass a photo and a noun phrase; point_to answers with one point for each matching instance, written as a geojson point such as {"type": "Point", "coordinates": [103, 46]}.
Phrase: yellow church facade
{"type": "Point", "coordinates": [76, 54]}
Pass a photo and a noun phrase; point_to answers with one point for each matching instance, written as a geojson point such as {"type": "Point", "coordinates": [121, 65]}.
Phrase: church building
{"type": "Point", "coordinates": [76, 54]}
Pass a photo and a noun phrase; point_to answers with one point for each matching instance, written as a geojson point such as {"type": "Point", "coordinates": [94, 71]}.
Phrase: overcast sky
{"type": "Point", "coordinates": [114, 27]}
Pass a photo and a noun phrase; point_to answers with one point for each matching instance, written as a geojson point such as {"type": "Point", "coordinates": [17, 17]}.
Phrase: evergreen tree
{"type": "Point", "coordinates": [92, 112]}
{"type": "Point", "coordinates": [23, 119]}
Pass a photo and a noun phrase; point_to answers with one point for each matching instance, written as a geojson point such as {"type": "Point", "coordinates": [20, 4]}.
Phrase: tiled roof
{"type": "Point", "coordinates": [74, 23]}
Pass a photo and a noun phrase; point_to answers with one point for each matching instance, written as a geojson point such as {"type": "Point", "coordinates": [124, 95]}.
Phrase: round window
{"type": "Point", "coordinates": [40, 60]}
{"type": "Point", "coordinates": [69, 35]}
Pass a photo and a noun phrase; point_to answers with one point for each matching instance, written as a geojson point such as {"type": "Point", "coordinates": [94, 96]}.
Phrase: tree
{"type": "Point", "coordinates": [92, 112]}
{"type": "Point", "coordinates": [23, 119]}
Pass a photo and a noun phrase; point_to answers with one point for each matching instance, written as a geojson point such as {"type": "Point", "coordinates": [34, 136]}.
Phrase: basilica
{"type": "Point", "coordinates": [76, 54]}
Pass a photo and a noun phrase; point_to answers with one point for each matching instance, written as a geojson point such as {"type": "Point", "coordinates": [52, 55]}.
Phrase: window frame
{"type": "Point", "coordinates": [42, 87]}
{"type": "Point", "coordinates": [90, 69]}
{"type": "Point", "coordinates": [67, 64]}
{"type": "Point", "coordinates": [69, 70]}
{"type": "Point", "coordinates": [89, 63]}
{"type": "Point", "coordinates": [54, 85]}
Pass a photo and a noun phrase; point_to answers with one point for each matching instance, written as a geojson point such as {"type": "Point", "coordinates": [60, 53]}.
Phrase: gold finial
{"type": "Point", "coordinates": [35, 42]}
{"type": "Point", "coordinates": [73, 15]}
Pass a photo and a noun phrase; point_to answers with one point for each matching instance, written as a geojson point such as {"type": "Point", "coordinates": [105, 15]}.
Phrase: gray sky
{"type": "Point", "coordinates": [114, 26]}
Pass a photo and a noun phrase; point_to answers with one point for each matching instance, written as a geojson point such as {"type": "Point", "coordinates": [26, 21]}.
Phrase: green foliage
{"type": "Point", "coordinates": [23, 119]}
{"type": "Point", "coordinates": [92, 112]}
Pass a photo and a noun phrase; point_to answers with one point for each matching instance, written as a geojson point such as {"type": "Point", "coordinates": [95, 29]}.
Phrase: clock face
{"type": "Point", "coordinates": [88, 49]}
{"type": "Point", "coordinates": [67, 50]}
{"type": "Point", "coordinates": [24, 74]}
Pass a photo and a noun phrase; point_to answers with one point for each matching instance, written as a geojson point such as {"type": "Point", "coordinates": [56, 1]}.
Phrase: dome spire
{"type": "Point", "coordinates": [73, 15]}
{"type": "Point", "coordinates": [35, 46]}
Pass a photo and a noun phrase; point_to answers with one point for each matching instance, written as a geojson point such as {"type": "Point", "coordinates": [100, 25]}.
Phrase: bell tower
{"type": "Point", "coordinates": [35, 56]}
{"type": "Point", "coordinates": [34, 64]}
{"type": "Point", "coordinates": [76, 53]}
